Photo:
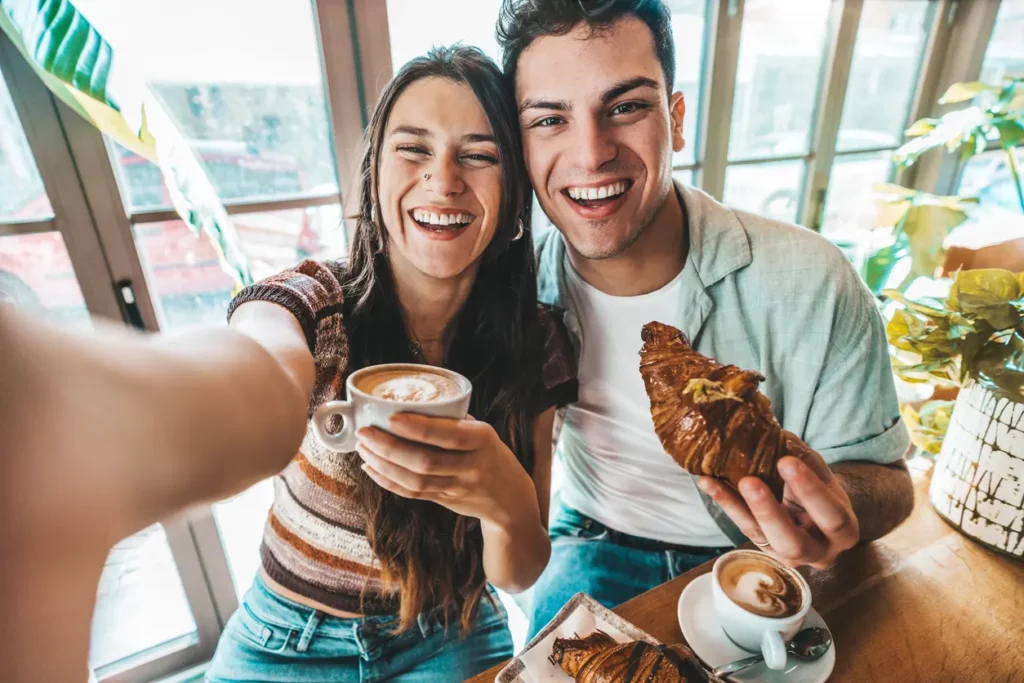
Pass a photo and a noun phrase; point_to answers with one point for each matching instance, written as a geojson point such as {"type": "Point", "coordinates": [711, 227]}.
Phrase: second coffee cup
{"type": "Point", "coordinates": [377, 392]}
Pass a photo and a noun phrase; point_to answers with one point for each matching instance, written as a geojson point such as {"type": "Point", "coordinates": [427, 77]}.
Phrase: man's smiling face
{"type": "Point", "coordinates": [598, 131]}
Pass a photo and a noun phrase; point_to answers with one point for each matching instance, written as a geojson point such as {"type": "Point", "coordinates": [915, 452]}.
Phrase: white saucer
{"type": "Point", "coordinates": [700, 627]}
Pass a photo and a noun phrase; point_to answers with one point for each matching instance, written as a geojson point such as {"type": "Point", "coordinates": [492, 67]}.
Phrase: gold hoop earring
{"type": "Point", "coordinates": [519, 230]}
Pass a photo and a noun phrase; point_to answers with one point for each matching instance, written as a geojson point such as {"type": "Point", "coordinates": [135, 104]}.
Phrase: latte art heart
{"type": "Point", "coordinates": [758, 586]}
{"type": "Point", "coordinates": [409, 385]}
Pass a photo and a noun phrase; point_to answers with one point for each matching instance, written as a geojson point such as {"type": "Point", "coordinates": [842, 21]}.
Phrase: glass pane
{"type": "Point", "coordinates": [850, 202]}
{"type": "Point", "coordinates": [187, 282]}
{"type": "Point", "coordinates": [414, 26]}
{"type": "Point", "coordinates": [771, 189]}
{"type": "Point", "coordinates": [1004, 57]}
{"type": "Point", "coordinates": [688, 30]}
{"type": "Point", "coordinates": [782, 46]}
{"type": "Point", "coordinates": [987, 176]}
{"type": "Point", "coordinates": [141, 602]}
{"type": "Point", "coordinates": [886, 64]}
{"type": "Point", "coordinates": [22, 196]}
{"type": "Point", "coordinates": [36, 275]}
{"type": "Point", "coordinates": [241, 520]}
{"type": "Point", "coordinates": [685, 177]}
{"type": "Point", "coordinates": [245, 88]}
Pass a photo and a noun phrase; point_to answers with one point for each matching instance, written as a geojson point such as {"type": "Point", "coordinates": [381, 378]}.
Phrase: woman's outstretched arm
{"type": "Point", "coordinates": [105, 432]}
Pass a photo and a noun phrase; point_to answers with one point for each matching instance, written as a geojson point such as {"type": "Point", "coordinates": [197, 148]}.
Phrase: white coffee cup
{"type": "Point", "coordinates": [754, 632]}
{"type": "Point", "coordinates": [365, 410]}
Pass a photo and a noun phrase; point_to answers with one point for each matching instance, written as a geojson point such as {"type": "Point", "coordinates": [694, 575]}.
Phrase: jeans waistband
{"type": "Point", "coordinates": [638, 542]}
{"type": "Point", "coordinates": [373, 635]}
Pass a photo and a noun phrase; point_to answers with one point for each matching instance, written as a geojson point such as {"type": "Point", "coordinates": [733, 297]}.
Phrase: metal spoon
{"type": "Point", "coordinates": [807, 645]}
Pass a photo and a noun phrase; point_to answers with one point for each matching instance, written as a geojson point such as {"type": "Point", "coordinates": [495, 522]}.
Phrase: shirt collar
{"type": "Point", "coordinates": [719, 246]}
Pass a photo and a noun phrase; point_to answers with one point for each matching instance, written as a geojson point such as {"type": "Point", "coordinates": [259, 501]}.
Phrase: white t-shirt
{"type": "Point", "coordinates": [616, 470]}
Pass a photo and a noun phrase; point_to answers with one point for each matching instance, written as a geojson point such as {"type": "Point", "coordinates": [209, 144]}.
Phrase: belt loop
{"type": "Point", "coordinates": [307, 633]}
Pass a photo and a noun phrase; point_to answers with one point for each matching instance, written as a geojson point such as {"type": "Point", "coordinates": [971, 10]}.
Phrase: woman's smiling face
{"type": "Point", "coordinates": [439, 178]}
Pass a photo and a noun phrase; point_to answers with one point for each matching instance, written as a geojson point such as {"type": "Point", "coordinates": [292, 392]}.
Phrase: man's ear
{"type": "Point", "coordinates": [677, 112]}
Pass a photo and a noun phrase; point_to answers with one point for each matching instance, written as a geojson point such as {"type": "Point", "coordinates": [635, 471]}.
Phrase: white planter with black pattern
{"type": "Point", "coordinates": [978, 483]}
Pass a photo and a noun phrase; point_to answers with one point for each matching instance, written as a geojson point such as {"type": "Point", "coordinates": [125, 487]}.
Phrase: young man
{"type": "Point", "coordinates": [600, 122]}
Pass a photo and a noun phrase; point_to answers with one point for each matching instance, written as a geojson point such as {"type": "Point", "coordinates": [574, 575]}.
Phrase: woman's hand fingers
{"type": "Point", "coordinates": [442, 432]}
{"type": "Point", "coordinates": [407, 479]}
{"type": "Point", "coordinates": [412, 455]}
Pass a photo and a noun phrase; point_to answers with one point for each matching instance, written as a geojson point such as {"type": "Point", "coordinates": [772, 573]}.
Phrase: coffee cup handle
{"type": "Point", "coordinates": [773, 647]}
{"type": "Point", "coordinates": [345, 440]}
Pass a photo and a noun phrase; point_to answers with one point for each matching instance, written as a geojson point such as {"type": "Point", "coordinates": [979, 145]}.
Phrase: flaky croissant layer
{"type": "Point", "coordinates": [709, 417]}
{"type": "Point", "coordinates": [599, 659]}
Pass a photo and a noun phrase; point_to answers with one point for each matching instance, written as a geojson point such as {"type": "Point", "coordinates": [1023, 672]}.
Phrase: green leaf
{"type": "Point", "coordinates": [986, 294]}
{"type": "Point", "coordinates": [927, 227]}
{"type": "Point", "coordinates": [963, 92]}
{"type": "Point", "coordinates": [879, 265]}
{"type": "Point", "coordinates": [1011, 132]}
{"type": "Point", "coordinates": [927, 306]}
{"type": "Point", "coordinates": [902, 328]}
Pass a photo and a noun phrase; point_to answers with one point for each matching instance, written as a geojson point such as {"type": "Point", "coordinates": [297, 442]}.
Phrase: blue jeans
{"type": "Point", "coordinates": [588, 557]}
{"type": "Point", "coordinates": [271, 638]}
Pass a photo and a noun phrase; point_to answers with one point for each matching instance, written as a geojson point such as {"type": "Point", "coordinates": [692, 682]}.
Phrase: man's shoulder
{"type": "Point", "coordinates": [801, 255]}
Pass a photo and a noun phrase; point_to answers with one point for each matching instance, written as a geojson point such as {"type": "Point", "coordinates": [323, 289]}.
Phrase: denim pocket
{"type": "Point", "coordinates": [269, 637]}
{"type": "Point", "coordinates": [571, 524]}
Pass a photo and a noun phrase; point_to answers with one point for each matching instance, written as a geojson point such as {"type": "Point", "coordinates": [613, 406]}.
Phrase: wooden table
{"type": "Point", "coordinates": [925, 603]}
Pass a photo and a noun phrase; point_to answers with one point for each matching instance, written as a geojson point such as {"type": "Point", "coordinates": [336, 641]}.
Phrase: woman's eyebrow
{"type": "Point", "coordinates": [424, 133]}
{"type": "Point", "coordinates": [410, 130]}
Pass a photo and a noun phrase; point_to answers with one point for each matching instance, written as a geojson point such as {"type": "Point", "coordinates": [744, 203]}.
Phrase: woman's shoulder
{"type": "Point", "coordinates": [311, 290]}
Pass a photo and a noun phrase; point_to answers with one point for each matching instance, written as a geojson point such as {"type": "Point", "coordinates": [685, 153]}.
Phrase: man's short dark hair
{"type": "Point", "coordinates": [522, 21]}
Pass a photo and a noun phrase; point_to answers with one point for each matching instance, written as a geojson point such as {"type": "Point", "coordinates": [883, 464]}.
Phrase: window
{"type": "Point", "coordinates": [141, 603]}
{"type": "Point", "coordinates": [247, 93]}
{"type": "Point", "coordinates": [415, 26]}
{"type": "Point", "coordinates": [689, 30]}
{"type": "Point", "coordinates": [1004, 57]}
{"type": "Point", "coordinates": [21, 191]}
{"type": "Point", "coordinates": [850, 203]}
{"type": "Point", "coordinates": [887, 56]}
{"type": "Point", "coordinates": [770, 189]}
{"type": "Point", "coordinates": [886, 64]}
{"type": "Point", "coordinates": [36, 275]}
{"type": "Point", "coordinates": [987, 176]}
{"type": "Point", "coordinates": [782, 48]}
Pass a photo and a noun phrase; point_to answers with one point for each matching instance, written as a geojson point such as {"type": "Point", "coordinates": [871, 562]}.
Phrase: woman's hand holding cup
{"type": "Point", "coordinates": [460, 464]}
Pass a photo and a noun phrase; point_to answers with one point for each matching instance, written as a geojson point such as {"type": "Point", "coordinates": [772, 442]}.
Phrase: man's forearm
{"type": "Point", "coordinates": [882, 496]}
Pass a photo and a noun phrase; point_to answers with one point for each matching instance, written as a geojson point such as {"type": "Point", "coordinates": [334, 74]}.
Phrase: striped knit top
{"type": "Point", "coordinates": [314, 541]}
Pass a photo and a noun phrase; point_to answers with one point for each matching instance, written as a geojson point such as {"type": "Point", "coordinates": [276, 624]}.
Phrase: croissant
{"type": "Point", "coordinates": [710, 417]}
{"type": "Point", "coordinates": [599, 659]}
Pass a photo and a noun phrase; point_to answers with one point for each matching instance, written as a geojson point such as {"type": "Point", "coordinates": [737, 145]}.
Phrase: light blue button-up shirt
{"type": "Point", "coordinates": [781, 300]}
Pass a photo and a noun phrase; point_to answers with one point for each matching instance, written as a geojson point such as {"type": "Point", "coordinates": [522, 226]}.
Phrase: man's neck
{"type": "Point", "coordinates": [649, 264]}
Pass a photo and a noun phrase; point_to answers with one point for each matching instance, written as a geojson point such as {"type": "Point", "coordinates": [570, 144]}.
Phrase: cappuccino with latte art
{"type": "Point", "coordinates": [411, 384]}
{"type": "Point", "coordinates": [761, 585]}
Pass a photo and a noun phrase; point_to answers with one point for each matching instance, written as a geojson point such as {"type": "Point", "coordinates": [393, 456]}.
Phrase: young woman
{"type": "Point", "coordinates": [376, 563]}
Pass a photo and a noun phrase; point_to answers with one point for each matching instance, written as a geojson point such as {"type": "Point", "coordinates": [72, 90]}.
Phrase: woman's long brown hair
{"type": "Point", "coordinates": [434, 556]}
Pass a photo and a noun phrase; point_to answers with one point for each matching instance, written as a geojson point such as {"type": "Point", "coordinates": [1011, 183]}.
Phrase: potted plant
{"type": "Point", "coordinates": [973, 339]}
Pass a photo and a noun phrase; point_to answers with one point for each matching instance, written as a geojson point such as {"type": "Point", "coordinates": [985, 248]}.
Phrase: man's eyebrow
{"type": "Point", "coordinates": [627, 85]}
{"type": "Point", "coordinates": [410, 130]}
{"type": "Point", "coordinates": [552, 105]}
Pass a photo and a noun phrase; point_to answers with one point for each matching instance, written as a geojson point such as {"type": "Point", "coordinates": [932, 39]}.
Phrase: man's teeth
{"type": "Point", "coordinates": [442, 219]}
{"type": "Point", "coordinates": [603, 192]}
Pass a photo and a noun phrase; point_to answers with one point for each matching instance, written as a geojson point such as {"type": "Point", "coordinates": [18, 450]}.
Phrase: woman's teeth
{"type": "Point", "coordinates": [431, 219]}
{"type": "Point", "coordinates": [604, 192]}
